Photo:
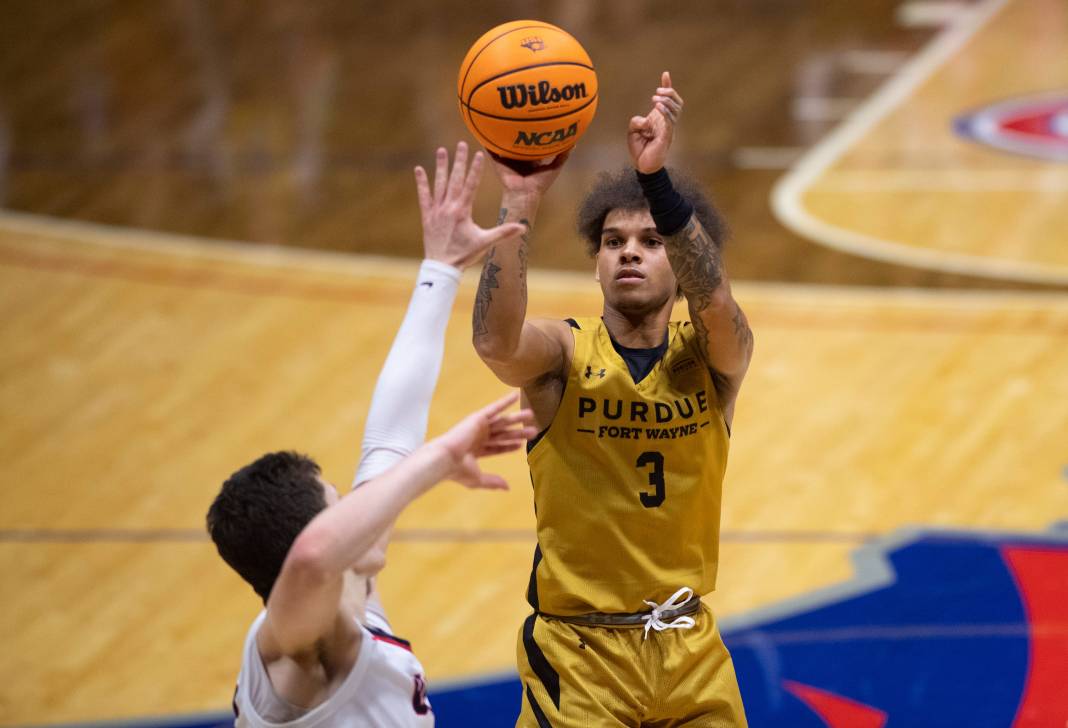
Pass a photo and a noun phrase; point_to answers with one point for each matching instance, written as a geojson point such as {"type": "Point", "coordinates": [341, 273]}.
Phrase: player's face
{"type": "Point", "coordinates": [329, 493]}
{"type": "Point", "coordinates": [632, 265]}
{"type": "Point", "coordinates": [374, 559]}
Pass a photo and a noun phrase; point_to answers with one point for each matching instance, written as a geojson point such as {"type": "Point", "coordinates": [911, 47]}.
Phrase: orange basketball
{"type": "Point", "coordinates": [527, 90]}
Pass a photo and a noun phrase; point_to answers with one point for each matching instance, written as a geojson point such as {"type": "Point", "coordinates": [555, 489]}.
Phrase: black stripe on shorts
{"type": "Point", "coordinates": [543, 722]}
{"type": "Point", "coordinates": [550, 679]}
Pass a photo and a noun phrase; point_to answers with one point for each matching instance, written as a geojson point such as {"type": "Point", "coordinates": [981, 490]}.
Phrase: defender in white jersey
{"type": "Point", "coordinates": [322, 652]}
{"type": "Point", "coordinates": [385, 687]}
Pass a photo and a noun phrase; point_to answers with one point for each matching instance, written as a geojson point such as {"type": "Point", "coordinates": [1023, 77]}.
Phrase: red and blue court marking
{"type": "Point", "coordinates": [937, 628]}
{"type": "Point", "coordinates": [1035, 126]}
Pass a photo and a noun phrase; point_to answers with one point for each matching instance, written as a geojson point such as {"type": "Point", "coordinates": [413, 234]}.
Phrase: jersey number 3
{"type": "Point", "coordinates": [656, 478]}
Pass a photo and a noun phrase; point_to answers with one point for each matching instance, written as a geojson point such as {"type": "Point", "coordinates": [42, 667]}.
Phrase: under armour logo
{"type": "Point", "coordinates": [591, 373]}
{"type": "Point", "coordinates": [533, 44]}
{"type": "Point", "coordinates": [428, 284]}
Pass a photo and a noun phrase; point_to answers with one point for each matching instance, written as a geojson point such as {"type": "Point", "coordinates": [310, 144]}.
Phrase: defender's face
{"type": "Point", "coordinates": [329, 493]}
{"type": "Point", "coordinates": [374, 559]}
{"type": "Point", "coordinates": [632, 264]}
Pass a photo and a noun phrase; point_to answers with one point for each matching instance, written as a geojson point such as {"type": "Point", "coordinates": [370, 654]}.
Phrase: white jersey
{"type": "Point", "coordinates": [385, 689]}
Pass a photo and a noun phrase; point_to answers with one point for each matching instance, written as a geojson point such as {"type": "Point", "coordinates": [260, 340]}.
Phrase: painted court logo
{"type": "Point", "coordinates": [938, 628]}
{"type": "Point", "coordinates": [1035, 126]}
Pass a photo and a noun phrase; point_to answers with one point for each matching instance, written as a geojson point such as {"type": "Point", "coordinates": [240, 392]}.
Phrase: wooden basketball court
{"type": "Point", "coordinates": [139, 367]}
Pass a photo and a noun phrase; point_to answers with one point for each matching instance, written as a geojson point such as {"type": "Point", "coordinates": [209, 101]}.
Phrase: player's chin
{"type": "Point", "coordinates": [631, 291]}
{"type": "Point", "coordinates": [632, 296]}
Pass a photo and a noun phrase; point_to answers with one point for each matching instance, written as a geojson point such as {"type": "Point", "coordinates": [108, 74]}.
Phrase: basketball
{"type": "Point", "coordinates": [527, 90]}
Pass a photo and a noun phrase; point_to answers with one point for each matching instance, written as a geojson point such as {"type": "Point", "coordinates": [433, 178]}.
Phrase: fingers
{"type": "Point", "coordinates": [508, 437]}
{"type": "Point", "coordinates": [670, 93]}
{"type": "Point", "coordinates": [495, 408]}
{"type": "Point", "coordinates": [558, 161]}
{"type": "Point", "coordinates": [504, 421]}
{"type": "Point", "coordinates": [506, 441]}
{"type": "Point", "coordinates": [501, 448]}
{"type": "Point", "coordinates": [667, 108]}
{"type": "Point", "coordinates": [489, 481]}
{"type": "Point", "coordinates": [501, 232]}
{"type": "Point", "coordinates": [422, 190]}
{"type": "Point", "coordinates": [667, 99]}
{"type": "Point", "coordinates": [459, 170]}
{"type": "Point", "coordinates": [672, 101]}
{"type": "Point", "coordinates": [440, 174]}
{"type": "Point", "coordinates": [474, 177]}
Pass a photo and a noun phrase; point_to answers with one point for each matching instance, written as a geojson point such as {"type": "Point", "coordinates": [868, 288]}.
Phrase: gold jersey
{"type": "Point", "coordinates": [627, 480]}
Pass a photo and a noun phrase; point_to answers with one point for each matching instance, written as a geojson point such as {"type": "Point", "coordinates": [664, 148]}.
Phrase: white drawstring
{"type": "Point", "coordinates": [653, 621]}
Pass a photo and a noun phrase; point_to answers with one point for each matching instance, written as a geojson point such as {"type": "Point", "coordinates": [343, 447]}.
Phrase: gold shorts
{"type": "Point", "coordinates": [576, 676]}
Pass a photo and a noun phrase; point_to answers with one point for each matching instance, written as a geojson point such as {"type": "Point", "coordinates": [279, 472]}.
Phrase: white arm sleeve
{"type": "Point", "coordinates": [396, 423]}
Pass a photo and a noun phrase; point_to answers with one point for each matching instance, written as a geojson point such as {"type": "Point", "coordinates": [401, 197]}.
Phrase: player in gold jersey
{"type": "Point", "coordinates": [634, 412]}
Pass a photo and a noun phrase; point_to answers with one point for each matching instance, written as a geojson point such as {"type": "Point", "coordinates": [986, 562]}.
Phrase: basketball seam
{"type": "Point", "coordinates": [507, 150]}
{"type": "Point", "coordinates": [494, 39]}
{"type": "Point", "coordinates": [539, 118]}
{"type": "Point", "coordinates": [527, 68]}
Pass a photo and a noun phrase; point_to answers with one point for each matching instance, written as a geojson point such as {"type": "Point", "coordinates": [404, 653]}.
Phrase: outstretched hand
{"type": "Point", "coordinates": [489, 431]}
{"type": "Point", "coordinates": [449, 233]}
{"type": "Point", "coordinates": [649, 137]}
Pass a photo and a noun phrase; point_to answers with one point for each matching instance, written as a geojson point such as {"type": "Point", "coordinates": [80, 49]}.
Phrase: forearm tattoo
{"type": "Point", "coordinates": [742, 332]}
{"type": "Point", "coordinates": [483, 297]}
{"type": "Point", "coordinates": [523, 247]}
{"type": "Point", "coordinates": [696, 262]}
{"type": "Point", "coordinates": [488, 281]}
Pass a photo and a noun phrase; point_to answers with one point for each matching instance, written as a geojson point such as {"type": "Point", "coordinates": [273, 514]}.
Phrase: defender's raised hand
{"type": "Point", "coordinates": [649, 137]}
{"type": "Point", "coordinates": [449, 233]}
{"type": "Point", "coordinates": [489, 431]}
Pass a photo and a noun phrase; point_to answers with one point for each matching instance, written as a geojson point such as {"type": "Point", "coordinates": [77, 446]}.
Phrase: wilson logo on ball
{"type": "Point", "coordinates": [545, 138]}
{"type": "Point", "coordinates": [517, 95]}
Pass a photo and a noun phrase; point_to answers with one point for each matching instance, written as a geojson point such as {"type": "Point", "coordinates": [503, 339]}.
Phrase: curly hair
{"type": "Point", "coordinates": [621, 191]}
{"type": "Point", "coordinates": [260, 511]}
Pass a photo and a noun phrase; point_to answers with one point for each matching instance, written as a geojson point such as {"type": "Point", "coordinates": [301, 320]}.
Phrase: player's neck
{"type": "Point", "coordinates": [637, 331]}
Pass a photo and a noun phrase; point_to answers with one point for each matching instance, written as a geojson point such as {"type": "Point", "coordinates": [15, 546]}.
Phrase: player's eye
{"type": "Point", "coordinates": [612, 242]}
{"type": "Point", "coordinates": [653, 242]}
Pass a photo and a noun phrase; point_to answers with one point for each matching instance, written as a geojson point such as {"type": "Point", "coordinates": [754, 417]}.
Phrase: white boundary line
{"type": "Point", "coordinates": [255, 254]}
{"type": "Point", "coordinates": [788, 191]}
{"type": "Point", "coordinates": [361, 265]}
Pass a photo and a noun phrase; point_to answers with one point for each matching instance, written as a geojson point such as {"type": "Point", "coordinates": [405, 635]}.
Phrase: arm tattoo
{"type": "Point", "coordinates": [523, 247]}
{"type": "Point", "coordinates": [488, 281]}
{"type": "Point", "coordinates": [742, 332]}
{"type": "Point", "coordinates": [483, 297]}
{"type": "Point", "coordinates": [696, 262]}
{"type": "Point", "coordinates": [701, 331]}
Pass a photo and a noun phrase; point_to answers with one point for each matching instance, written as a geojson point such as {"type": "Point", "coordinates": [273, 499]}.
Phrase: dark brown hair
{"type": "Point", "coordinates": [620, 191]}
{"type": "Point", "coordinates": [260, 511]}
